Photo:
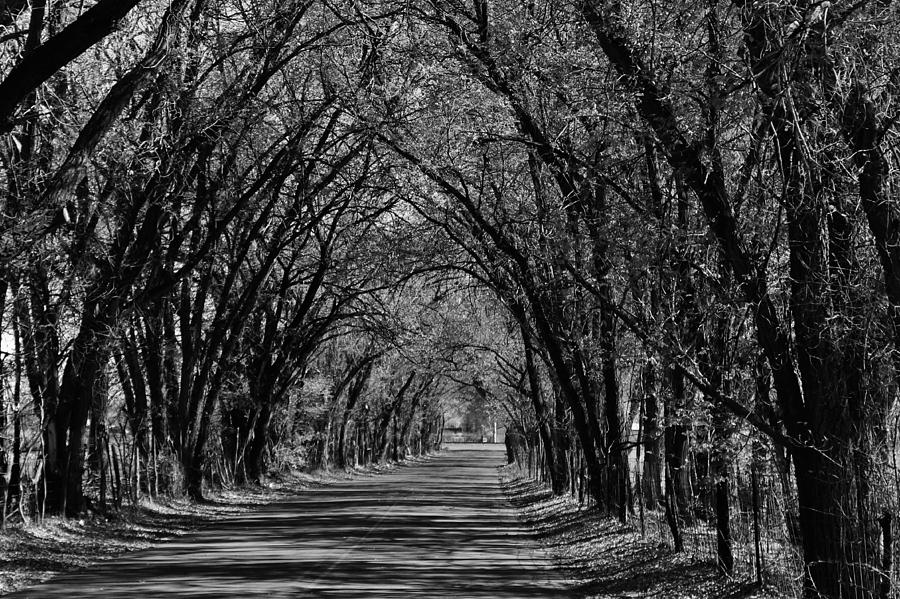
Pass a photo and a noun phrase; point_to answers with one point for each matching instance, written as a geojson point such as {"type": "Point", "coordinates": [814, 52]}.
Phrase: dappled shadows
{"type": "Point", "coordinates": [34, 551]}
{"type": "Point", "coordinates": [608, 559]}
{"type": "Point", "coordinates": [440, 528]}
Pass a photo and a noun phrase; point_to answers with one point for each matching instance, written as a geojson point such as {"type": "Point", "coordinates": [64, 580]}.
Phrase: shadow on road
{"type": "Point", "coordinates": [440, 528]}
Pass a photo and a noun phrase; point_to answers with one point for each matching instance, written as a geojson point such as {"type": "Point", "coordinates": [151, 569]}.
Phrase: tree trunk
{"type": "Point", "coordinates": [139, 416]}
{"type": "Point", "coordinates": [383, 423]}
{"type": "Point", "coordinates": [257, 446]}
{"type": "Point", "coordinates": [676, 449]}
{"type": "Point", "coordinates": [887, 554]}
{"type": "Point", "coordinates": [193, 478]}
{"type": "Point", "coordinates": [652, 478]}
{"type": "Point", "coordinates": [825, 528]}
{"type": "Point", "coordinates": [618, 475]}
{"type": "Point", "coordinates": [561, 441]}
{"type": "Point", "coordinates": [152, 353]}
{"type": "Point", "coordinates": [99, 436]}
{"type": "Point", "coordinates": [82, 380]}
{"type": "Point", "coordinates": [356, 385]}
{"type": "Point", "coordinates": [13, 490]}
{"type": "Point", "coordinates": [408, 421]}
{"type": "Point", "coordinates": [724, 555]}
{"type": "Point", "coordinates": [557, 478]}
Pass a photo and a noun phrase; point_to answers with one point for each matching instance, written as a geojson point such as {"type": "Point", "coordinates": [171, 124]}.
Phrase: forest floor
{"type": "Point", "coordinates": [603, 559]}
{"type": "Point", "coordinates": [35, 552]}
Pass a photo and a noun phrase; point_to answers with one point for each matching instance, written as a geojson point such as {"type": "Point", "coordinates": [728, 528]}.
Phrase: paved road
{"type": "Point", "coordinates": [440, 528]}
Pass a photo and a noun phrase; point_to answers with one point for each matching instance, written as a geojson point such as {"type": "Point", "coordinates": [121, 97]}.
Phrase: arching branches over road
{"type": "Point", "coordinates": [703, 195]}
{"type": "Point", "coordinates": [659, 241]}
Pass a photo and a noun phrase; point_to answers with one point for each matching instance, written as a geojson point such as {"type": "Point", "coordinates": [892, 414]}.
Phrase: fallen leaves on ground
{"type": "Point", "coordinates": [604, 559]}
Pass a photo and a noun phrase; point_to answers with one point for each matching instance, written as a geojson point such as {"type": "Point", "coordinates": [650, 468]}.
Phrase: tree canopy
{"type": "Point", "coordinates": [659, 243]}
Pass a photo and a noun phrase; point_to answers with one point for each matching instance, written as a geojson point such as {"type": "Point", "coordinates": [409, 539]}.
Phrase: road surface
{"type": "Point", "coordinates": [439, 528]}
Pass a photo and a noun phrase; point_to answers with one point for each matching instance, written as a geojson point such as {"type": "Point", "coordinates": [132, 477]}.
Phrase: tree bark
{"type": "Point", "coordinates": [82, 380]}
{"type": "Point", "coordinates": [256, 448]}
{"type": "Point", "coordinates": [557, 478]}
{"type": "Point", "coordinates": [652, 477]}
{"type": "Point", "coordinates": [676, 437]}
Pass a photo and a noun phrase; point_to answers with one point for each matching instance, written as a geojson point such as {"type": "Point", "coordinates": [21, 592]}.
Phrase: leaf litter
{"type": "Point", "coordinates": [604, 559]}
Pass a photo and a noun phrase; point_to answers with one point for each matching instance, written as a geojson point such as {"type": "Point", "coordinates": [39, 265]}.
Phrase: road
{"type": "Point", "coordinates": [438, 528]}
